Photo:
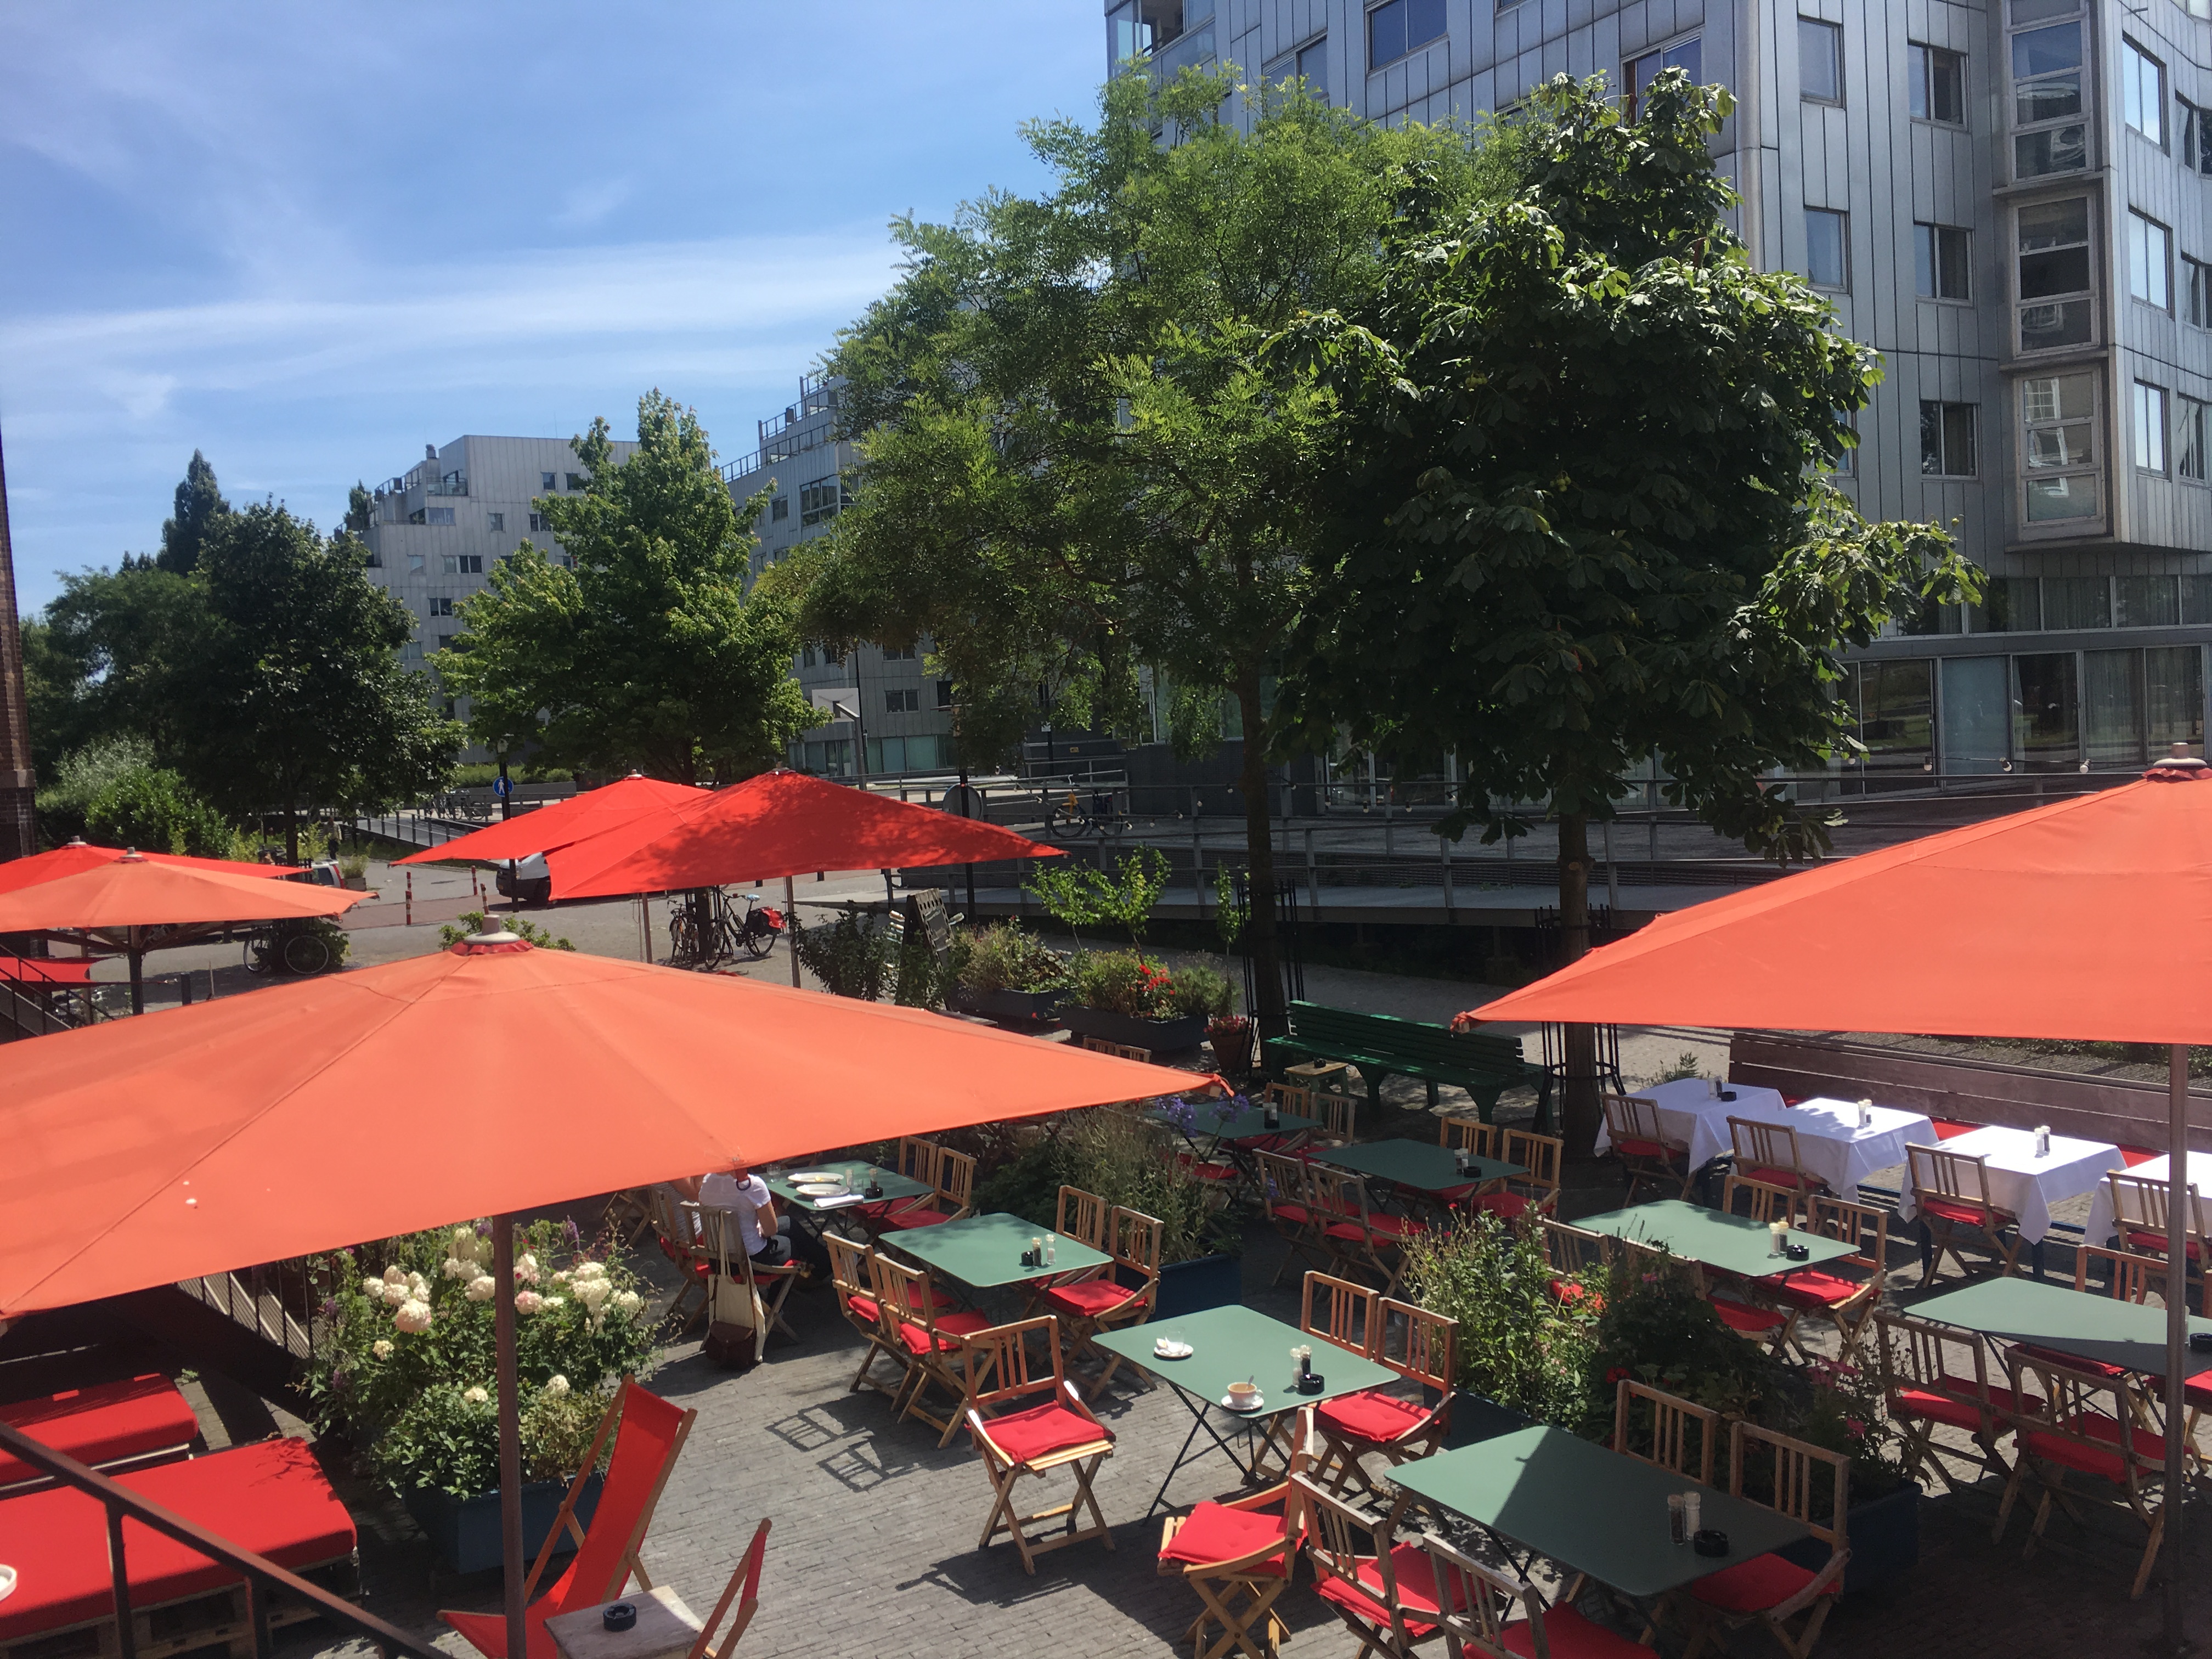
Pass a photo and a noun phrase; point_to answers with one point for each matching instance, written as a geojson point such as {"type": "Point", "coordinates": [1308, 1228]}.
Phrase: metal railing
{"type": "Point", "coordinates": [263, 1577]}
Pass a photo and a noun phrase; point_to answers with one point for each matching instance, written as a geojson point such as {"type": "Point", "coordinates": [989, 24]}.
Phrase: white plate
{"type": "Point", "coordinates": [1168, 1348]}
{"type": "Point", "coordinates": [816, 1174]}
{"type": "Point", "coordinates": [1258, 1400]}
{"type": "Point", "coordinates": [7, 1583]}
{"type": "Point", "coordinates": [817, 1188]}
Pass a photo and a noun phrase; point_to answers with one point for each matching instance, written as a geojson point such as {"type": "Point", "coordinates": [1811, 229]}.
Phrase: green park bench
{"type": "Point", "coordinates": [1381, 1044]}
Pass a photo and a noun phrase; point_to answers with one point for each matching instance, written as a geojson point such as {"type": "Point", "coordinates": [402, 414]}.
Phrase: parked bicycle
{"type": "Point", "coordinates": [290, 947]}
{"type": "Point", "coordinates": [705, 928]}
{"type": "Point", "coordinates": [1076, 813]}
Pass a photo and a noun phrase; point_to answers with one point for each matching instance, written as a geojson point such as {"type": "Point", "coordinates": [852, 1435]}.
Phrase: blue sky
{"type": "Point", "coordinates": [308, 240]}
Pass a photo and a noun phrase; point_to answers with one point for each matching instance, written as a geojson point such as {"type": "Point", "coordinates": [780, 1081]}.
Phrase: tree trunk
{"type": "Point", "coordinates": [1270, 1016]}
{"type": "Point", "coordinates": [1579, 1106]}
{"type": "Point", "coordinates": [291, 829]}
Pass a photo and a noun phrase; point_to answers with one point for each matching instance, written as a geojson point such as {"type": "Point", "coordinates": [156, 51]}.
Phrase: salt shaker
{"type": "Point", "coordinates": [1051, 1249]}
{"type": "Point", "coordinates": [2043, 1140]}
{"type": "Point", "coordinates": [1866, 1113]}
{"type": "Point", "coordinates": [1775, 1230]}
{"type": "Point", "coordinates": [1693, 1503]}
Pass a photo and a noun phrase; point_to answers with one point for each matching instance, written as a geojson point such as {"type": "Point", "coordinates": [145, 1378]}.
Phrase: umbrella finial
{"type": "Point", "coordinates": [2179, 766]}
{"type": "Point", "coordinates": [500, 942]}
{"type": "Point", "coordinates": [131, 855]}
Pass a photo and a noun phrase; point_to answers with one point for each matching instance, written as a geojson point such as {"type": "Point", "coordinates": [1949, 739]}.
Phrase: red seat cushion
{"type": "Point", "coordinates": [950, 1328]}
{"type": "Point", "coordinates": [1214, 1531]}
{"type": "Point", "coordinates": [1090, 1298]}
{"type": "Point", "coordinates": [1416, 1577]}
{"type": "Point", "coordinates": [1949, 1128]}
{"type": "Point", "coordinates": [1777, 1177]}
{"type": "Point", "coordinates": [1506, 1207]}
{"type": "Point", "coordinates": [1753, 1586]}
{"type": "Point", "coordinates": [1744, 1317]}
{"type": "Point", "coordinates": [2104, 1368]}
{"type": "Point", "coordinates": [1946, 1409]}
{"type": "Point", "coordinates": [2003, 1399]}
{"type": "Point", "coordinates": [105, 1423]}
{"type": "Point", "coordinates": [865, 1306]}
{"type": "Point", "coordinates": [1297, 1214]}
{"type": "Point", "coordinates": [2135, 1154]}
{"type": "Point", "coordinates": [1965, 1215]}
{"type": "Point", "coordinates": [1810, 1287]}
{"type": "Point", "coordinates": [921, 1215]}
{"type": "Point", "coordinates": [271, 1499]}
{"type": "Point", "coordinates": [1573, 1294]}
{"type": "Point", "coordinates": [1026, 1436]}
{"type": "Point", "coordinates": [2155, 1244]}
{"type": "Point", "coordinates": [1384, 1226]}
{"type": "Point", "coordinates": [1373, 1416]}
{"type": "Point", "coordinates": [1570, 1635]}
{"type": "Point", "coordinates": [1218, 1172]}
{"type": "Point", "coordinates": [1630, 1147]}
{"type": "Point", "coordinates": [2091, 1460]}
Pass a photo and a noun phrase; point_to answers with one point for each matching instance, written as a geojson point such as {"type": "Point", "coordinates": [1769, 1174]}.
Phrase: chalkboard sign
{"type": "Point", "coordinates": [928, 908]}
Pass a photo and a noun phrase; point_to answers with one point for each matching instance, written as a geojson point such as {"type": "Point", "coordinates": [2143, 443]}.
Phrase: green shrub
{"type": "Point", "coordinates": [151, 807]}
{"type": "Point", "coordinates": [1517, 1344]}
{"type": "Point", "coordinates": [1123, 983]}
{"type": "Point", "coordinates": [1005, 956]}
{"type": "Point", "coordinates": [850, 958]}
{"type": "Point", "coordinates": [1123, 1161]}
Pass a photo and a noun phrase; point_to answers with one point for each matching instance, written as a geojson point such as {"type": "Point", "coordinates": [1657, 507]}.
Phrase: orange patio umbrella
{"type": "Point", "coordinates": [73, 856]}
{"type": "Point", "coordinates": [548, 827]}
{"type": "Point", "coordinates": [293, 1121]}
{"type": "Point", "coordinates": [124, 897]}
{"type": "Point", "coordinates": [2089, 920]}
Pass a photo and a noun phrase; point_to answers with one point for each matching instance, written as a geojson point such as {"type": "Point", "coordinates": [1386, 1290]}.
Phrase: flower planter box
{"type": "Point", "coordinates": [1160, 1036]}
{"type": "Point", "coordinates": [464, 1531]}
{"type": "Point", "coordinates": [1019, 1006]}
{"type": "Point", "coordinates": [1885, 1540]}
{"type": "Point", "coordinates": [1211, 1281]}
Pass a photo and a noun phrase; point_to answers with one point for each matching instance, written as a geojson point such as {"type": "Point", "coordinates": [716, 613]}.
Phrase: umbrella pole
{"type": "Point", "coordinates": [2177, 1332]}
{"type": "Point", "coordinates": [790, 917]}
{"type": "Point", "coordinates": [510, 1432]}
{"type": "Point", "coordinates": [137, 970]}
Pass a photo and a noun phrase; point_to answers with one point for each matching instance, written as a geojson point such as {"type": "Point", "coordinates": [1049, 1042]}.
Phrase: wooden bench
{"type": "Point", "coordinates": [1381, 1044]}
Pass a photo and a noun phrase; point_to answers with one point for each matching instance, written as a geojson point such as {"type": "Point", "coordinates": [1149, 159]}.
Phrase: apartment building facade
{"type": "Point", "coordinates": [2008, 200]}
{"type": "Point", "coordinates": [901, 719]}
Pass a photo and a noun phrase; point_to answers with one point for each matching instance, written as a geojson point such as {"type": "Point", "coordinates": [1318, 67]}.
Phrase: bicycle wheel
{"type": "Point", "coordinates": [1067, 824]}
{"type": "Point", "coordinates": [755, 940]}
{"type": "Point", "coordinates": [306, 953]}
{"type": "Point", "coordinates": [682, 943]}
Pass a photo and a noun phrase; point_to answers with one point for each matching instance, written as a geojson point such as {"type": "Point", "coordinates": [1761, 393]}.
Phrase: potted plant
{"type": "Point", "coordinates": [1229, 1033]}
{"type": "Point", "coordinates": [1003, 972]}
{"type": "Point", "coordinates": [403, 1369]}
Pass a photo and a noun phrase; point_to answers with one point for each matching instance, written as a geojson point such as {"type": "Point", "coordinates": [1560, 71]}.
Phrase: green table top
{"type": "Point", "coordinates": [1229, 1345]}
{"type": "Point", "coordinates": [985, 1251]}
{"type": "Point", "coordinates": [857, 1176]}
{"type": "Point", "coordinates": [1417, 1163]}
{"type": "Point", "coordinates": [2094, 1325]}
{"type": "Point", "coordinates": [1591, 1508]}
{"type": "Point", "coordinates": [1244, 1125]}
{"type": "Point", "coordinates": [1733, 1243]}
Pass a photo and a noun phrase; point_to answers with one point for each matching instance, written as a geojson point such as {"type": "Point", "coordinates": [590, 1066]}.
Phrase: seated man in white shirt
{"type": "Point", "coordinates": [768, 1238]}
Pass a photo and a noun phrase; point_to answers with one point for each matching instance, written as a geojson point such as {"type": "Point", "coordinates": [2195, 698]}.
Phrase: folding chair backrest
{"type": "Point", "coordinates": [848, 1272]}
{"type": "Point", "coordinates": [1081, 1216]}
{"type": "Point", "coordinates": [1631, 1117]}
{"type": "Point", "coordinates": [1861, 1226]}
{"type": "Point", "coordinates": [2075, 1401]}
{"type": "Point", "coordinates": [918, 1159]}
{"type": "Point", "coordinates": [1938, 1172]}
{"type": "Point", "coordinates": [652, 1432]}
{"type": "Point", "coordinates": [1782, 1472]}
{"type": "Point", "coordinates": [1297, 1098]}
{"type": "Point", "coordinates": [2128, 1277]}
{"type": "Point", "coordinates": [1764, 1146]}
{"type": "Point", "coordinates": [1768, 1202]}
{"type": "Point", "coordinates": [1642, 1258]}
{"type": "Point", "coordinates": [1539, 1155]}
{"type": "Point", "coordinates": [1333, 1528]}
{"type": "Point", "coordinates": [1471, 1135]}
{"type": "Point", "coordinates": [1917, 1353]}
{"type": "Point", "coordinates": [1477, 1602]}
{"type": "Point", "coordinates": [2139, 1213]}
{"type": "Point", "coordinates": [1017, 1368]}
{"type": "Point", "coordinates": [1572, 1250]}
{"type": "Point", "coordinates": [902, 1292]}
{"type": "Point", "coordinates": [956, 1179]}
{"type": "Point", "coordinates": [1420, 1346]}
{"type": "Point", "coordinates": [1283, 1180]}
{"type": "Point", "coordinates": [746, 1579]}
{"type": "Point", "coordinates": [1134, 1242]}
{"type": "Point", "coordinates": [1338, 1113]}
{"type": "Point", "coordinates": [1674, 1424]}
{"type": "Point", "coordinates": [1337, 1310]}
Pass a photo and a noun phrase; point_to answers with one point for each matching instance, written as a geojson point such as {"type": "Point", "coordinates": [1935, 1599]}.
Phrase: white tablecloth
{"type": "Point", "coordinates": [1833, 1146]}
{"type": "Point", "coordinates": [1687, 1102]}
{"type": "Point", "coordinates": [2023, 1182]}
{"type": "Point", "coordinates": [2158, 1169]}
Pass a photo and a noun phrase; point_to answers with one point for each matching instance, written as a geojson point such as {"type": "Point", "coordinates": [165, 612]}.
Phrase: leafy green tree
{"type": "Point", "coordinates": [152, 808]}
{"type": "Point", "coordinates": [1580, 520]}
{"type": "Point", "coordinates": [293, 697]}
{"type": "Point", "coordinates": [644, 651]}
{"type": "Point", "coordinates": [1079, 459]}
{"type": "Point", "coordinates": [200, 509]}
{"type": "Point", "coordinates": [100, 662]}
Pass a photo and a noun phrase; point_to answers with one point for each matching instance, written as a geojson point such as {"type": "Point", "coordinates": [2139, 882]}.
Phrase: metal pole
{"type": "Point", "coordinates": [1444, 849]}
{"type": "Point", "coordinates": [1612, 877]}
{"type": "Point", "coordinates": [137, 936]}
{"type": "Point", "coordinates": [791, 937]}
{"type": "Point", "coordinates": [1313, 877]}
{"type": "Point", "coordinates": [119, 1572]}
{"type": "Point", "coordinates": [2170, 1506]}
{"type": "Point", "coordinates": [1197, 872]}
{"type": "Point", "coordinates": [510, 1432]}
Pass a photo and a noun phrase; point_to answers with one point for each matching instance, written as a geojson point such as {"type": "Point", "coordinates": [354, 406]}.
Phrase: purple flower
{"type": "Point", "coordinates": [328, 1310]}
{"type": "Point", "coordinates": [570, 1231]}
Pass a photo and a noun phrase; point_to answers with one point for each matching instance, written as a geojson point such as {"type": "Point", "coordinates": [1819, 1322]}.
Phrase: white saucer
{"type": "Point", "coordinates": [1258, 1401]}
{"type": "Point", "coordinates": [1168, 1348]}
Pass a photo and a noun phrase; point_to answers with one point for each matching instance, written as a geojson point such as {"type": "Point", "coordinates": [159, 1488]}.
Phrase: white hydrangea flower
{"type": "Point", "coordinates": [396, 1294]}
{"type": "Point", "coordinates": [380, 1348]}
{"type": "Point", "coordinates": [455, 1267]}
{"type": "Point", "coordinates": [548, 1303]}
{"type": "Point", "coordinates": [556, 1386]}
{"type": "Point", "coordinates": [373, 1287]}
{"type": "Point", "coordinates": [526, 1269]}
{"type": "Point", "coordinates": [528, 1302]}
{"type": "Point", "coordinates": [629, 1302]}
{"type": "Point", "coordinates": [482, 1288]}
{"type": "Point", "coordinates": [395, 1274]}
{"type": "Point", "coordinates": [561, 1277]}
{"type": "Point", "coordinates": [413, 1317]}
{"type": "Point", "coordinates": [590, 1270]}
{"type": "Point", "coordinates": [465, 1242]}
{"type": "Point", "coordinates": [592, 1292]}
{"type": "Point", "coordinates": [474, 1397]}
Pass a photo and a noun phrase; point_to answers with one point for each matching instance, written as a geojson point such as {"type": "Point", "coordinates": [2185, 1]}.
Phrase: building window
{"type": "Point", "coordinates": [1643, 72]}
{"type": "Point", "coordinates": [2196, 297]}
{"type": "Point", "coordinates": [1938, 85]}
{"type": "Point", "coordinates": [2054, 264]}
{"type": "Point", "coordinates": [2189, 440]}
{"type": "Point", "coordinates": [1820, 61]}
{"type": "Point", "coordinates": [898, 654]}
{"type": "Point", "coordinates": [1309, 64]}
{"type": "Point", "coordinates": [1827, 264]}
{"type": "Point", "coordinates": [445, 641]}
{"type": "Point", "coordinates": [441, 605]}
{"type": "Point", "coordinates": [545, 481]}
{"type": "Point", "coordinates": [2142, 91]}
{"type": "Point", "coordinates": [945, 693]}
{"type": "Point", "coordinates": [904, 700]}
{"type": "Point", "coordinates": [1941, 262]}
{"type": "Point", "coordinates": [1845, 462]}
{"type": "Point", "coordinates": [462, 564]}
{"type": "Point", "coordinates": [2072, 602]}
{"type": "Point", "coordinates": [539, 524]}
{"type": "Point", "coordinates": [2046, 74]}
{"type": "Point", "coordinates": [494, 522]}
{"type": "Point", "coordinates": [440, 515]}
{"type": "Point", "coordinates": [2059, 441]}
{"type": "Point", "coordinates": [1947, 440]}
{"type": "Point", "coordinates": [2145, 602]}
{"type": "Point", "coordinates": [2151, 426]}
{"type": "Point", "coordinates": [822, 500]}
{"type": "Point", "coordinates": [2150, 261]}
{"type": "Point", "coordinates": [2188, 127]}
{"type": "Point", "coordinates": [575, 481]}
{"type": "Point", "coordinates": [779, 509]}
{"type": "Point", "coordinates": [1398, 27]}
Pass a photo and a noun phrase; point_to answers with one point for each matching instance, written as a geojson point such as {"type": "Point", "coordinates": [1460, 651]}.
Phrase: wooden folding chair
{"type": "Point", "coordinates": [1381, 1591]}
{"type": "Point", "coordinates": [1239, 1555]}
{"type": "Point", "coordinates": [1536, 1193]}
{"type": "Point", "coordinates": [649, 1433]}
{"type": "Point", "coordinates": [934, 1342]}
{"type": "Point", "coordinates": [1337, 1113]}
{"type": "Point", "coordinates": [1632, 1126]}
{"type": "Point", "coordinates": [746, 1579]}
{"type": "Point", "coordinates": [1951, 1192]}
{"type": "Point", "coordinates": [1286, 1199]}
{"type": "Point", "coordinates": [850, 1278]}
{"type": "Point", "coordinates": [1290, 1098]}
{"type": "Point", "coordinates": [1768, 1152]}
{"type": "Point", "coordinates": [1578, 1260]}
{"type": "Point", "coordinates": [1123, 1292]}
{"type": "Point", "coordinates": [1762, 1201]}
{"type": "Point", "coordinates": [1846, 1292]}
{"type": "Point", "coordinates": [1472, 1134]}
{"type": "Point", "coordinates": [1936, 1376]}
{"type": "Point", "coordinates": [1341, 1313]}
{"type": "Point", "coordinates": [917, 1160]}
{"type": "Point", "coordinates": [1362, 1238]}
{"type": "Point", "coordinates": [2139, 1221]}
{"type": "Point", "coordinates": [1398, 1423]}
{"type": "Point", "coordinates": [2093, 1425]}
{"type": "Point", "coordinates": [1018, 1441]}
{"type": "Point", "coordinates": [629, 1215]}
{"type": "Point", "coordinates": [953, 1201]}
{"type": "Point", "coordinates": [676, 1230]}
{"type": "Point", "coordinates": [1661, 1434]}
{"type": "Point", "coordinates": [769, 1282]}
{"type": "Point", "coordinates": [1475, 1609]}
{"type": "Point", "coordinates": [1786, 1476]}
{"type": "Point", "coordinates": [1118, 1050]}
